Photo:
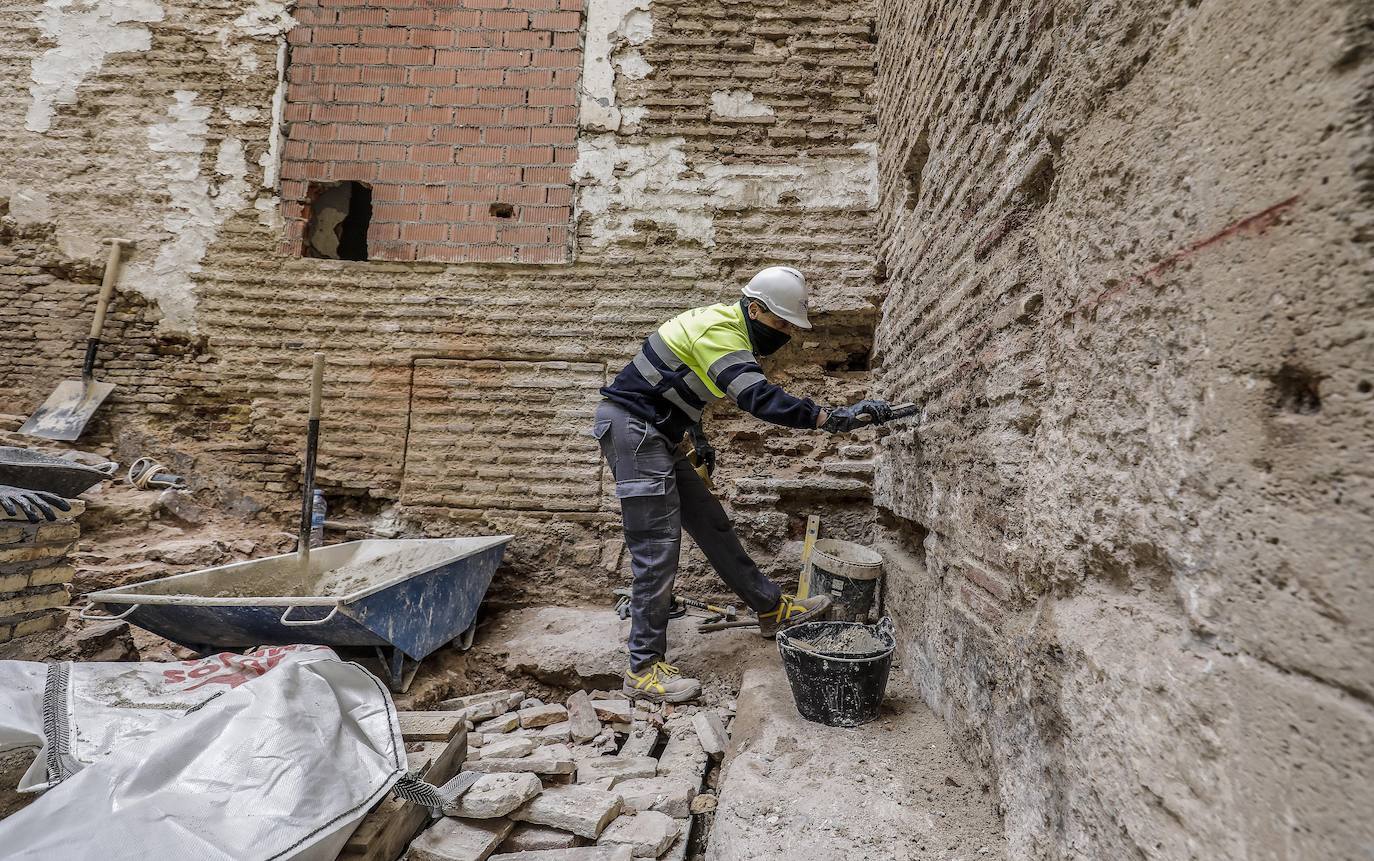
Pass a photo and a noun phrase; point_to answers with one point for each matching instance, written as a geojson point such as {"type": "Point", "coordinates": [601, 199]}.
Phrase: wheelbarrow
{"type": "Point", "coordinates": [21, 467]}
{"type": "Point", "coordinates": [404, 597]}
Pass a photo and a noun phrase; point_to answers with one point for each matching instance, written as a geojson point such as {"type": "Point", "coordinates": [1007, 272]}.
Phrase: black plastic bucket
{"type": "Point", "coordinates": [848, 573]}
{"type": "Point", "coordinates": [836, 683]}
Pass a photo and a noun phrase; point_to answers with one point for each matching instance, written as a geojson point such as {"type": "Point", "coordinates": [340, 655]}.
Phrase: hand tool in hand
{"type": "Point", "coordinates": [866, 413]}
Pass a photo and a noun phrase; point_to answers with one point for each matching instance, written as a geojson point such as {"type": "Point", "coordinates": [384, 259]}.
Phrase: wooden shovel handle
{"type": "Point", "coordinates": [112, 263]}
{"type": "Point", "coordinates": [316, 385]}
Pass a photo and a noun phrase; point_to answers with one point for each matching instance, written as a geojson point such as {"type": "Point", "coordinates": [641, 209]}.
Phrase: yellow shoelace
{"type": "Point", "coordinates": [664, 669]}
{"type": "Point", "coordinates": [656, 675]}
{"type": "Point", "coordinates": [786, 607]}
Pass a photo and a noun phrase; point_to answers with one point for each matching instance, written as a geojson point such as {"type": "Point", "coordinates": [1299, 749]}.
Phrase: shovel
{"type": "Point", "coordinates": [64, 414]}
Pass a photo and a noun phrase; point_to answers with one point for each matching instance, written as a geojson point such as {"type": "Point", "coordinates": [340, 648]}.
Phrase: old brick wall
{"type": "Point", "coordinates": [1128, 252]}
{"type": "Point", "coordinates": [173, 129]}
{"type": "Point", "coordinates": [34, 572]}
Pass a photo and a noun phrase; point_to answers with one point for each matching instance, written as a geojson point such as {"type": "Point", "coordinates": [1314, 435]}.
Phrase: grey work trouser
{"type": "Point", "coordinates": [660, 494]}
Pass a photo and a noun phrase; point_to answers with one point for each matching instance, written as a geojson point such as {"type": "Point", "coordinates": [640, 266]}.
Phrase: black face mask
{"type": "Point", "coordinates": [765, 338]}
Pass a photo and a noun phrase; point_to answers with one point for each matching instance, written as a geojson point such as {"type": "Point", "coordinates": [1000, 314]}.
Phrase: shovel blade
{"type": "Point", "coordinates": [64, 414]}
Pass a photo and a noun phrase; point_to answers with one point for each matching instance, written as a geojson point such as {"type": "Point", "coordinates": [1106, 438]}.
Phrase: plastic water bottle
{"type": "Point", "coordinates": [317, 510]}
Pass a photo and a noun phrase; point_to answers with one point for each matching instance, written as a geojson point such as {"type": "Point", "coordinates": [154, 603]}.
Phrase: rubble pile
{"type": "Point", "coordinates": [598, 778]}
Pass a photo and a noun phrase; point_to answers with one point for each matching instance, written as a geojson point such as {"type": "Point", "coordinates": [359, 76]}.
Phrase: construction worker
{"type": "Point", "coordinates": [692, 360]}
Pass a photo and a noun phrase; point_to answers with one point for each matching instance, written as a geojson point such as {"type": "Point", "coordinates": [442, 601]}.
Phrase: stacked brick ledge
{"type": "Point", "coordinates": [34, 572]}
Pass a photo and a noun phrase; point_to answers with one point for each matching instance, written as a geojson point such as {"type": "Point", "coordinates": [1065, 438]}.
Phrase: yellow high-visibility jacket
{"type": "Point", "coordinates": [696, 358]}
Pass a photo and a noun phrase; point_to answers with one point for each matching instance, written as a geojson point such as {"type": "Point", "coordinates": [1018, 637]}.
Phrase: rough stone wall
{"type": "Point", "coordinates": [1128, 257]}
{"type": "Point", "coordinates": [168, 128]}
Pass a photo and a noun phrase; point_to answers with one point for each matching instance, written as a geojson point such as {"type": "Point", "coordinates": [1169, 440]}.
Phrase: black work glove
{"type": "Point", "coordinates": [31, 502]}
{"type": "Point", "coordinates": [860, 415]}
{"type": "Point", "coordinates": [706, 453]}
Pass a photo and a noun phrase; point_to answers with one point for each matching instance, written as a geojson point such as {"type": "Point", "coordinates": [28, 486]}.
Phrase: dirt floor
{"type": "Point", "coordinates": [894, 788]}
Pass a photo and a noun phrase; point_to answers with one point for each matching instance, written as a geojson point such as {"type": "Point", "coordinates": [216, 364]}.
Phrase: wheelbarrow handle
{"type": "Point", "coordinates": [86, 613]}
{"type": "Point", "coordinates": [297, 623]}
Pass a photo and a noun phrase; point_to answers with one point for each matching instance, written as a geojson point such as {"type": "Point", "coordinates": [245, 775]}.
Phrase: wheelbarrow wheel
{"type": "Point", "coordinates": [463, 641]}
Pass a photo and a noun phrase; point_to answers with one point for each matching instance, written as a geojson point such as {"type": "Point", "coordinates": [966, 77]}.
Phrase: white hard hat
{"type": "Point", "coordinates": [782, 290]}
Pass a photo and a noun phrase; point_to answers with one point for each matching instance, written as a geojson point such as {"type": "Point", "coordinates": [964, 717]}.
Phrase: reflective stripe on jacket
{"type": "Point", "coordinates": [695, 359]}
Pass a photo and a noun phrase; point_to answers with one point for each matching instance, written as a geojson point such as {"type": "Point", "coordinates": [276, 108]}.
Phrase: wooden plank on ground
{"type": "Point", "coordinates": [384, 833]}
{"type": "Point", "coordinates": [813, 530]}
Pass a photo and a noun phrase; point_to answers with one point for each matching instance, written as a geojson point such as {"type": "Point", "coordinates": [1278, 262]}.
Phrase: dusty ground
{"type": "Point", "coordinates": [788, 788]}
{"type": "Point", "coordinates": [894, 788]}
{"type": "Point", "coordinates": [552, 650]}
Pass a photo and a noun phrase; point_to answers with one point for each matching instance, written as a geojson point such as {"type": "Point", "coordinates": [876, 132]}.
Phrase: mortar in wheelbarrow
{"type": "Point", "coordinates": [408, 596]}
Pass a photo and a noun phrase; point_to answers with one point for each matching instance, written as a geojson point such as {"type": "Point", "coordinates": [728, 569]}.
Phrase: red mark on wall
{"type": "Point", "coordinates": [1256, 224]}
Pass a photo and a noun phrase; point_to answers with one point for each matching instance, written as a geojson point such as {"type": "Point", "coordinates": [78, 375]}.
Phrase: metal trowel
{"type": "Point", "coordinates": [899, 411]}
{"type": "Point", "coordinates": [64, 414]}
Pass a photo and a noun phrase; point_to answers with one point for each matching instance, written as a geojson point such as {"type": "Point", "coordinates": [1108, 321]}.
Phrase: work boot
{"type": "Point", "coordinates": [660, 682]}
{"type": "Point", "coordinates": [790, 611]}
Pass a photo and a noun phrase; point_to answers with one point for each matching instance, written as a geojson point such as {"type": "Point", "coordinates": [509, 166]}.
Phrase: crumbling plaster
{"type": "Point", "coordinates": [621, 184]}
{"type": "Point", "coordinates": [86, 31]}
{"type": "Point", "coordinates": [197, 205]}
{"type": "Point", "coordinates": [180, 182]}
{"type": "Point", "coordinates": [612, 26]}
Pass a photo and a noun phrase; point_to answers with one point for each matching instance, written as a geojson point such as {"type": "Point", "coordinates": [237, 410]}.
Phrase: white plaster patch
{"type": "Point", "coordinates": [630, 118]}
{"type": "Point", "coordinates": [632, 65]}
{"type": "Point", "coordinates": [265, 21]}
{"type": "Point", "coordinates": [27, 205]}
{"type": "Point", "coordinates": [620, 184]}
{"type": "Point", "coordinates": [610, 24]}
{"type": "Point", "coordinates": [738, 103]}
{"type": "Point", "coordinates": [270, 160]}
{"type": "Point", "coordinates": [86, 31]}
{"type": "Point", "coordinates": [240, 114]}
{"type": "Point", "coordinates": [196, 208]}
{"type": "Point", "coordinates": [269, 211]}
{"type": "Point", "coordinates": [636, 27]}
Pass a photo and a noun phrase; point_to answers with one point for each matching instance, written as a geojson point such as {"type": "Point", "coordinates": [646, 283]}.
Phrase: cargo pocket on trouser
{"type": "Point", "coordinates": [647, 507]}
{"type": "Point", "coordinates": [654, 456]}
{"type": "Point", "coordinates": [601, 433]}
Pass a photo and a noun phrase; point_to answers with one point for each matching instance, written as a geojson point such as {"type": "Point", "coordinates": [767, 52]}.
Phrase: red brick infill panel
{"type": "Point", "coordinates": [460, 116]}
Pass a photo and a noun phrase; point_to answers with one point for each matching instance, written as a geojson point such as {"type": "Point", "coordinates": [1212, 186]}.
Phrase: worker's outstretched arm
{"type": "Point", "coordinates": [740, 377]}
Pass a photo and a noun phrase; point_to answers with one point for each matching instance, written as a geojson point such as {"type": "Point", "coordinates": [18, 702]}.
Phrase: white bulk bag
{"type": "Point", "coordinates": [278, 764]}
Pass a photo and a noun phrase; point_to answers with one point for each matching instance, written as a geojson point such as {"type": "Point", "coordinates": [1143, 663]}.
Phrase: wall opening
{"type": "Point", "coordinates": [339, 217]}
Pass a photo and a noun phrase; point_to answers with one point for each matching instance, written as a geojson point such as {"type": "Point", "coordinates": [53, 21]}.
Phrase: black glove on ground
{"type": "Point", "coordinates": [706, 452]}
{"type": "Point", "coordinates": [860, 415]}
{"type": "Point", "coordinates": [31, 503]}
